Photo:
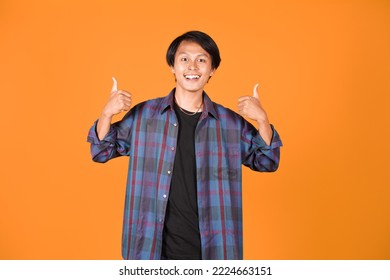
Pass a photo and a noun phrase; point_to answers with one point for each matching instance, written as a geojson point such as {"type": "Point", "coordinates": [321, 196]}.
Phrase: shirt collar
{"type": "Point", "coordinates": [208, 105]}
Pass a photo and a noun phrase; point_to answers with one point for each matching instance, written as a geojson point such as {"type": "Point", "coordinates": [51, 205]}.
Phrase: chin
{"type": "Point", "coordinates": [193, 88]}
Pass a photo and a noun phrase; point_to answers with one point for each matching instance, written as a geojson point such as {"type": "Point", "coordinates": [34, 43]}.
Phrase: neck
{"type": "Point", "coordinates": [189, 101]}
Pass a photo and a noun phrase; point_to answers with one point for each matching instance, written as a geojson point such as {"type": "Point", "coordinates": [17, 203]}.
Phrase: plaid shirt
{"type": "Point", "coordinates": [223, 141]}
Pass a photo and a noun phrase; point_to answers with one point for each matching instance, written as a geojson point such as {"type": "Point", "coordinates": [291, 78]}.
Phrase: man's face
{"type": "Point", "coordinates": [192, 67]}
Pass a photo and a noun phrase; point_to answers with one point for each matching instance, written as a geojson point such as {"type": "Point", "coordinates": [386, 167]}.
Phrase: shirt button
{"type": "Point", "coordinates": [175, 124]}
{"type": "Point", "coordinates": [172, 148]}
{"type": "Point", "coordinates": [169, 171]}
{"type": "Point", "coordinates": [164, 196]}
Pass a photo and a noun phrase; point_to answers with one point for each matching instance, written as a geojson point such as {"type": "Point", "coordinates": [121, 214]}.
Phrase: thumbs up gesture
{"type": "Point", "coordinates": [250, 107]}
{"type": "Point", "coordinates": [119, 101]}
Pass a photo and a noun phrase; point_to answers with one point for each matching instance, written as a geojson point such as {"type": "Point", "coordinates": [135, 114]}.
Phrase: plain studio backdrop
{"type": "Point", "coordinates": [323, 69]}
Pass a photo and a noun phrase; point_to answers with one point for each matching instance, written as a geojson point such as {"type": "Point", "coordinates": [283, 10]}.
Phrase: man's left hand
{"type": "Point", "coordinates": [250, 107]}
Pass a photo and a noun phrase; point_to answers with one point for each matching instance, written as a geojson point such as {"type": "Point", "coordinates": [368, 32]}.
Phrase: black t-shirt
{"type": "Point", "coordinates": [181, 238]}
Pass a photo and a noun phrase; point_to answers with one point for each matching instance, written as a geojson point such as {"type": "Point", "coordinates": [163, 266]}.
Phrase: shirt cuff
{"type": "Point", "coordinates": [94, 139]}
{"type": "Point", "coordinates": [275, 141]}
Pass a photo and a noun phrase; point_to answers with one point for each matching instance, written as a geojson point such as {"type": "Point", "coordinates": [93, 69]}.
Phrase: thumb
{"type": "Point", "coordinates": [114, 85]}
{"type": "Point", "coordinates": [255, 93]}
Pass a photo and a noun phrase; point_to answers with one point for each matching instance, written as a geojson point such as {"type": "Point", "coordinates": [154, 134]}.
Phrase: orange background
{"type": "Point", "coordinates": [323, 69]}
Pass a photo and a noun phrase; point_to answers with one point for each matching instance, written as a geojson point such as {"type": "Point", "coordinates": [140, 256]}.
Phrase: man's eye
{"type": "Point", "coordinates": [202, 60]}
{"type": "Point", "coordinates": [184, 59]}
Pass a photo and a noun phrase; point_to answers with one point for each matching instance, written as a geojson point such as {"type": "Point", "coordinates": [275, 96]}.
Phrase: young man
{"type": "Point", "coordinates": [183, 196]}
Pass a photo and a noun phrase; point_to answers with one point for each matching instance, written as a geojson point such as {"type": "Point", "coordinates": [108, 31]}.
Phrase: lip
{"type": "Point", "coordinates": [192, 76]}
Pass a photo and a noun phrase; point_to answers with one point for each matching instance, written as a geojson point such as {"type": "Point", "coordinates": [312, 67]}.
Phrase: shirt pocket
{"type": "Point", "coordinates": [227, 165]}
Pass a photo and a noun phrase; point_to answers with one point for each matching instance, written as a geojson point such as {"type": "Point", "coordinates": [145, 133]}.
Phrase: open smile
{"type": "Point", "coordinates": [192, 77]}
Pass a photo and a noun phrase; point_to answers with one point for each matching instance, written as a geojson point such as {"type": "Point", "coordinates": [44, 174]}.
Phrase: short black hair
{"type": "Point", "coordinates": [204, 40]}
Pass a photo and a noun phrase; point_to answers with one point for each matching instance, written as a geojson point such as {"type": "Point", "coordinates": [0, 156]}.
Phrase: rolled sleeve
{"type": "Point", "coordinates": [94, 139]}
{"type": "Point", "coordinates": [257, 154]}
{"type": "Point", "coordinates": [275, 140]}
{"type": "Point", "coordinates": [111, 146]}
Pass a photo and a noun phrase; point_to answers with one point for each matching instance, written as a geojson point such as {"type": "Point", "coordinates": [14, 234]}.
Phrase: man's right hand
{"type": "Point", "coordinates": [118, 102]}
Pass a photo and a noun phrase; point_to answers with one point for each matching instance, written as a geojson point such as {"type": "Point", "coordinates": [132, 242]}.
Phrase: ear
{"type": "Point", "coordinates": [173, 72]}
{"type": "Point", "coordinates": [211, 74]}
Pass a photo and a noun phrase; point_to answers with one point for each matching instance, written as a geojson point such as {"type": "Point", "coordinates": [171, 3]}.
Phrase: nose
{"type": "Point", "coordinates": [192, 65]}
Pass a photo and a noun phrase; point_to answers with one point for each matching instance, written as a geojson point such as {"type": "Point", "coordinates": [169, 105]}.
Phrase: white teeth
{"type": "Point", "coordinates": [192, 77]}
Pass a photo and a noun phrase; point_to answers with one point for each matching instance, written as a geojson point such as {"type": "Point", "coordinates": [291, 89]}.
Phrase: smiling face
{"type": "Point", "coordinates": [192, 67]}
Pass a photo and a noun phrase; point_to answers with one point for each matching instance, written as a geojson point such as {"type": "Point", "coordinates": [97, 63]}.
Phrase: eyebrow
{"type": "Point", "coordinates": [199, 54]}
